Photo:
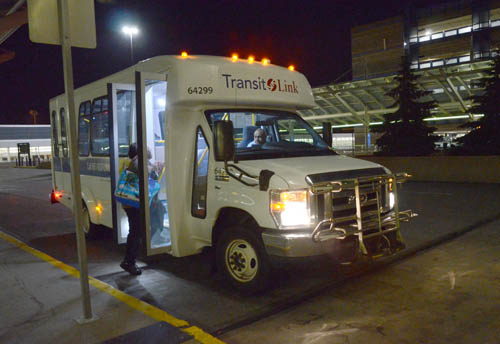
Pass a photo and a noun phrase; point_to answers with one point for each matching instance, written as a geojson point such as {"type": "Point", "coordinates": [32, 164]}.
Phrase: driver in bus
{"type": "Point", "coordinates": [259, 138]}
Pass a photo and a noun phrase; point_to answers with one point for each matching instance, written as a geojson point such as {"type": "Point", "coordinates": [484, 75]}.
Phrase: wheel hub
{"type": "Point", "coordinates": [241, 260]}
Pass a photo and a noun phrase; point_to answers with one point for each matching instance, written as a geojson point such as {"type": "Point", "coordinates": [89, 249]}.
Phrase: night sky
{"type": "Point", "coordinates": [313, 35]}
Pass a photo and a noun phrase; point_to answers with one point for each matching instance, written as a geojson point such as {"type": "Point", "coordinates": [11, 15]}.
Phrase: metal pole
{"type": "Point", "coordinates": [367, 128]}
{"type": "Point", "coordinates": [64, 32]}
{"type": "Point", "coordinates": [131, 49]}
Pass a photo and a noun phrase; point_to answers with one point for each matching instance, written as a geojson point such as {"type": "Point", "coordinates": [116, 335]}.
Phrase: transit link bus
{"type": "Point", "coordinates": [290, 197]}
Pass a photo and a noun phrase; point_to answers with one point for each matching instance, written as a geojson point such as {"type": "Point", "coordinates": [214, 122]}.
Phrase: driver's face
{"type": "Point", "coordinates": [259, 136]}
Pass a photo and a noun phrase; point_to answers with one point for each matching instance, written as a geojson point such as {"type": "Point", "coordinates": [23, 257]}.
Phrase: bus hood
{"type": "Point", "coordinates": [294, 170]}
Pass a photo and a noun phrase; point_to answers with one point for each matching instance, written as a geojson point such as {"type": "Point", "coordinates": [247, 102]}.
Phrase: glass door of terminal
{"type": "Point", "coordinates": [151, 135]}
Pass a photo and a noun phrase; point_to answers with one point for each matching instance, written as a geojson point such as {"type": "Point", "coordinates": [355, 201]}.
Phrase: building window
{"type": "Point", "coordinates": [200, 176]}
{"type": "Point", "coordinates": [453, 60]}
{"type": "Point", "coordinates": [451, 33]}
{"type": "Point", "coordinates": [464, 59]}
{"type": "Point", "coordinates": [464, 30]}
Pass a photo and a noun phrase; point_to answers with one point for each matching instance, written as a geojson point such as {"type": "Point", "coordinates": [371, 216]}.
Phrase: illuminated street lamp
{"type": "Point", "coordinates": [131, 31]}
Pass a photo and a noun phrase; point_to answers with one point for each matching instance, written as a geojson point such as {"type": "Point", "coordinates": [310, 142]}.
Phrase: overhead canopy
{"type": "Point", "coordinates": [364, 101]}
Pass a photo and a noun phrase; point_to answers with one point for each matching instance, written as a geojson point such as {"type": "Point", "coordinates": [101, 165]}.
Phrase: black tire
{"type": "Point", "coordinates": [89, 228]}
{"type": "Point", "coordinates": [242, 259]}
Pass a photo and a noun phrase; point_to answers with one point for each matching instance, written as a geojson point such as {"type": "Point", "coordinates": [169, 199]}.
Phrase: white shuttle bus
{"type": "Point", "coordinates": [288, 196]}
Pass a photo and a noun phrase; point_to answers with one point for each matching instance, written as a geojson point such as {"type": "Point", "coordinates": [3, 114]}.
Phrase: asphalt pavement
{"type": "Point", "coordinates": [446, 294]}
{"type": "Point", "coordinates": [186, 288]}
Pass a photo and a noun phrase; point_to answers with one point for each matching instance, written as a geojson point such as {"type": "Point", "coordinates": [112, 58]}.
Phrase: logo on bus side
{"type": "Point", "coordinates": [272, 85]}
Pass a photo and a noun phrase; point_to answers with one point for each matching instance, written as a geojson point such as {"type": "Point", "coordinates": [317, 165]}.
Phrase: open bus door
{"type": "Point", "coordinates": [151, 131]}
{"type": "Point", "coordinates": [140, 117]}
{"type": "Point", "coordinates": [123, 123]}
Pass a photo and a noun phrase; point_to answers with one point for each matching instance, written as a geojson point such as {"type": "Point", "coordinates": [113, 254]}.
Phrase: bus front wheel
{"type": "Point", "coordinates": [89, 228]}
{"type": "Point", "coordinates": [242, 258]}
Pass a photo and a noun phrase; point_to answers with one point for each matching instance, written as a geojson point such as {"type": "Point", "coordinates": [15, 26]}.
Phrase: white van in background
{"type": "Point", "coordinates": [291, 196]}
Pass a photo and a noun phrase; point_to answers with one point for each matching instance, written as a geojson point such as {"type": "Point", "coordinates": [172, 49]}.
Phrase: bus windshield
{"type": "Point", "coordinates": [264, 134]}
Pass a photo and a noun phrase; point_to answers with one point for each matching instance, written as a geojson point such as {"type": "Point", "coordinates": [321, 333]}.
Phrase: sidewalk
{"type": "Point", "coordinates": [41, 302]}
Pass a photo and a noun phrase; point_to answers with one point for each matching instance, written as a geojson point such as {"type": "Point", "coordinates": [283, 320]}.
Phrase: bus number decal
{"type": "Point", "coordinates": [200, 90]}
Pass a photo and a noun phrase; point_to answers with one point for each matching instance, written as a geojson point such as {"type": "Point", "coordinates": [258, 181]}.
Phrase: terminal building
{"type": "Point", "coordinates": [38, 137]}
{"type": "Point", "coordinates": [449, 46]}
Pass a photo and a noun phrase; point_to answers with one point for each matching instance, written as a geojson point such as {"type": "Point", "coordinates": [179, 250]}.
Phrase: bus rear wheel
{"type": "Point", "coordinates": [242, 259]}
{"type": "Point", "coordinates": [89, 228]}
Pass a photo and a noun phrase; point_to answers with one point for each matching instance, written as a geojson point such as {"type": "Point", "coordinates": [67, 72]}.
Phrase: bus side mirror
{"type": "Point", "coordinates": [223, 141]}
{"type": "Point", "coordinates": [327, 133]}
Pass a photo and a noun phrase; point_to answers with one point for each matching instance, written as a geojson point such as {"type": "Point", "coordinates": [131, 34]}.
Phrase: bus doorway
{"type": "Point", "coordinates": [141, 118]}
{"type": "Point", "coordinates": [123, 124]}
{"type": "Point", "coordinates": [151, 137]}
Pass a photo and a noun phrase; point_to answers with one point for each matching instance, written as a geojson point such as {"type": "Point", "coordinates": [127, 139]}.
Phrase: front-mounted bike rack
{"type": "Point", "coordinates": [365, 224]}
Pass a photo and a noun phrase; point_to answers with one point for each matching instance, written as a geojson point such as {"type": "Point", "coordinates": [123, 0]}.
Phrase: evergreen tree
{"type": "Point", "coordinates": [404, 131]}
{"type": "Point", "coordinates": [484, 138]}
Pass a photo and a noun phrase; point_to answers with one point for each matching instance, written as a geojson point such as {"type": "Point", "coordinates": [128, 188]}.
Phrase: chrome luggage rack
{"type": "Point", "coordinates": [369, 220]}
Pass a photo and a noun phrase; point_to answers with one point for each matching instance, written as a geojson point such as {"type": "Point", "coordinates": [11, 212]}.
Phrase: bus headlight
{"type": "Point", "coordinates": [391, 200]}
{"type": "Point", "coordinates": [290, 208]}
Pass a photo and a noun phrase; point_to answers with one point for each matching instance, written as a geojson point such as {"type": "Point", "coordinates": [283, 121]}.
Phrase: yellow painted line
{"type": "Point", "coordinates": [141, 306]}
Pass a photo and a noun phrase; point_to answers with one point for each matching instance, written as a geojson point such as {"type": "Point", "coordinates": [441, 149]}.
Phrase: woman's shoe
{"type": "Point", "coordinates": [131, 268]}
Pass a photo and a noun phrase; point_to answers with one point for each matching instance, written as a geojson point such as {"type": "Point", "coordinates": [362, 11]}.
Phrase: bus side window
{"type": "Point", "coordinates": [64, 137]}
{"type": "Point", "coordinates": [125, 107]}
{"type": "Point", "coordinates": [96, 106]}
{"type": "Point", "coordinates": [200, 176]}
{"type": "Point", "coordinates": [88, 107]}
{"type": "Point", "coordinates": [83, 129]}
{"type": "Point", "coordinates": [55, 135]}
{"type": "Point", "coordinates": [104, 104]}
{"type": "Point", "coordinates": [99, 129]}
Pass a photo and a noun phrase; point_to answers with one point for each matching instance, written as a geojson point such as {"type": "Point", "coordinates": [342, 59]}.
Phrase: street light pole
{"type": "Point", "coordinates": [131, 49]}
{"type": "Point", "coordinates": [131, 31]}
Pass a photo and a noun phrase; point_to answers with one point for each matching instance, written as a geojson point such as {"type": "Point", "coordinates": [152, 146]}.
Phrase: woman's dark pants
{"type": "Point", "coordinates": [134, 234]}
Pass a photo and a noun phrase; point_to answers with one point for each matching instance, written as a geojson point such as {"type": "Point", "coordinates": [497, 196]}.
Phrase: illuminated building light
{"type": "Point", "coordinates": [429, 119]}
{"type": "Point", "coordinates": [251, 59]}
{"type": "Point", "coordinates": [266, 61]}
{"type": "Point", "coordinates": [450, 117]}
{"type": "Point", "coordinates": [234, 57]}
{"type": "Point", "coordinates": [184, 54]}
{"type": "Point", "coordinates": [291, 67]}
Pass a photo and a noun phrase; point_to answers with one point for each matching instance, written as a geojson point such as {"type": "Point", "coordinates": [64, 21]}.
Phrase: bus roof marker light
{"type": "Point", "coordinates": [184, 54]}
{"type": "Point", "coordinates": [266, 61]}
{"type": "Point", "coordinates": [291, 67]}
{"type": "Point", "coordinates": [234, 57]}
{"type": "Point", "coordinates": [251, 59]}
